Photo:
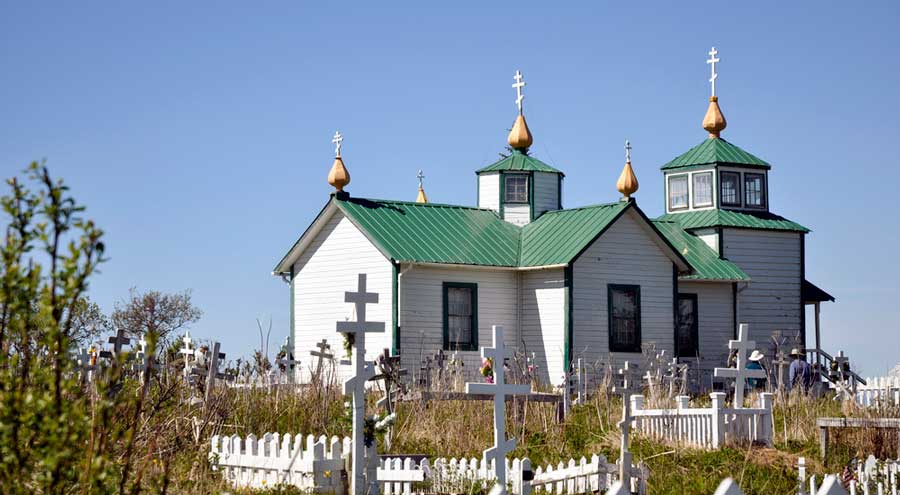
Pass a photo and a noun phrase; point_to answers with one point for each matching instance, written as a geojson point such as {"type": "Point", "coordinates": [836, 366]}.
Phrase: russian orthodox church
{"type": "Point", "coordinates": [594, 282]}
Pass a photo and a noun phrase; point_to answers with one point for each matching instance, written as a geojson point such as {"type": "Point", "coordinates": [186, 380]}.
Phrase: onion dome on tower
{"type": "Point", "coordinates": [338, 177]}
{"type": "Point", "coordinates": [627, 183]}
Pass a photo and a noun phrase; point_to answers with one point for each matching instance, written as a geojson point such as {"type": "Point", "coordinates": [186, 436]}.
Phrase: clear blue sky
{"type": "Point", "coordinates": [198, 133]}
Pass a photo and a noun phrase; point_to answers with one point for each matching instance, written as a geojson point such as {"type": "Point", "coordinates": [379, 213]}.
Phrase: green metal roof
{"type": "Point", "coordinates": [519, 162]}
{"type": "Point", "coordinates": [557, 237]}
{"type": "Point", "coordinates": [435, 233]}
{"type": "Point", "coordinates": [728, 218]}
{"type": "Point", "coordinates": [706, 263]}
{"type": "Point", "coordinates": [716, 151]}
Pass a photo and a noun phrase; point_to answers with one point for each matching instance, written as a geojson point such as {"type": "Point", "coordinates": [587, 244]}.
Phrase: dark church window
{"type": "Point", "coordinates": [624, 317]}
{"type": "Point", "coordinates": [460, 316]}
{"type": "Point", "coordinates": [731, 188]}
{"type": "Point", "coordinates": [686, 334]}
{"type": "Point", "coordinates": [754, 191]}
{"type": "Point", "coordinates": [516, 187]}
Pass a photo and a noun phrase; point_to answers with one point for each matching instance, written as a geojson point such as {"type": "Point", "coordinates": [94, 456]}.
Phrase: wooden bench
{"type": "Point", "coordinates": [825, 423]}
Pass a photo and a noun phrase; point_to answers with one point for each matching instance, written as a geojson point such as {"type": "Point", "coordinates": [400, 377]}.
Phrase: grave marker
{"type": "Point", "coordinates": [187, 352]}
{"type": "Point", "coordinates": [362, 372]}
{"type": "Point", "coordinates": [628, 374]}
{"type": "Point", "coordinates": [322, 354]}
{"type": "Point", "coordinates": [740, 373]}
{"type": "Point", "coordinates": [500, 390]}
{"type": "Point", "coordinates": [117, 341]}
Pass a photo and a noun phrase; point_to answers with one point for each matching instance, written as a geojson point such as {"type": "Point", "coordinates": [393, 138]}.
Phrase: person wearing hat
{"type": "Point", "coordinates": [800, 372]}
{"type": "Point", "coordinates": [755, 363]}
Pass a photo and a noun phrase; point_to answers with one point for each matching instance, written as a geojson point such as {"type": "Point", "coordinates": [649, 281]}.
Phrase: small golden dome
{"type": "Point", "coordinates": [520, 137]}
{"type": "Point", "coordinates": [421, 198]}
{"type": "Point", "coordinates": [339, 177]}
{"type": "Point", "coordinates": [627, 183]}
{"type": "Point", "coordinates": [714, 121]}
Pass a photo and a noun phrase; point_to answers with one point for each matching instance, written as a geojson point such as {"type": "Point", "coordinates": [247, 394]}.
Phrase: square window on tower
{"type": "Point", "coordinates": [516, 187]}
{"type": "Point", "coordinates": [678, 192]}
{"type": "Point", "coordinates": [754, 190]}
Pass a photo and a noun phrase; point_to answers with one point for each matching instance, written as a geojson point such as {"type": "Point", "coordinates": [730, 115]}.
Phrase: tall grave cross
{"type": "Point", "coordinates": [843, 365]}
{"type": "Point", "coordinates": [362, 372]}
{"type": "Point", "coordinates": [288, 362]}
{"type": "Point", "coordinates": [740, 373]}
{"type": "Point", "coordinates": [500, 390]}
{"type": "Point", "coordinates": [117, 341]}
{"type": "Point", "coordinates": [212, 372]}
{"type": "Point", "coordinates": [322, 354]}
{"type": "Point", "coordinates": [713, 60]}
{"type": "Point", "coordinates": [187, 352]}
{"type": "Point", "coordinates": [86, 363]}
{"type": "Point", "coordinates": [518, 85]}
{"type": "Point", "coordinates": [629, 375]}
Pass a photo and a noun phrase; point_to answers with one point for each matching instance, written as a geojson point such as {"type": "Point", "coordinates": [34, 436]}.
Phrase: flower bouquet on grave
{"type": "Point", "coordinates": [487, 369]}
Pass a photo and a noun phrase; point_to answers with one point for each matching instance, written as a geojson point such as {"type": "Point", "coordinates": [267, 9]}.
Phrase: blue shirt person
{"type": "Point", "coordinates": [800, 372]}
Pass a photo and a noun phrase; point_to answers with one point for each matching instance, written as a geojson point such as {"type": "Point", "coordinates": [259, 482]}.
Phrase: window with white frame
{"type": "Point", "coordinates": [516, 189]}
{"type": "Point", "coordinates": [703, 191]}
{"type": "Point", "coordinates": [754, 190]}
{"type": "Point", "coordinates": [730, 190]}
{"type": "Point", "coordinates": [678, 192]}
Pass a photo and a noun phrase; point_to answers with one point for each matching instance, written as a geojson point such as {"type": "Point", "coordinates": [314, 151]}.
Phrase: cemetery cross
{"type": "Point", "coordinates": [321, 354]}
{"type": "Point", "coordinates": [500, 390]}
{"type": "Point", "coordinates": [628, 374]}
{"type": "Point", "coordinates": [117, 341]}
{"type": "Point", "coordinates": [740, 373]}
{"type": "Point", "coordinates": [362, 372]}
{"type": "Point", "coordinates": [187, 352]}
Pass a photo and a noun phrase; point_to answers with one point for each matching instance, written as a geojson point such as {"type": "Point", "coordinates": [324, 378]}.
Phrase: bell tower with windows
{"type": "Point", "coordinates": [519, 187]}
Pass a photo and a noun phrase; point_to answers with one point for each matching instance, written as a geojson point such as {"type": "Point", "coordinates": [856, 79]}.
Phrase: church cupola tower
{"type": "Point", "coordinates": [716, 174]}
{"type": "Point", "coordinates": [519, 187]}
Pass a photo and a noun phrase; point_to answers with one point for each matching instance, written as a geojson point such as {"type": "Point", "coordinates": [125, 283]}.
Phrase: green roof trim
{"type": "Point", "coordinates": [435, 233]}
{"type": "Point", "coordinates": [519, 162]}
{"type": "Point", "coordinates": [559, 236]}
{"type": "Point", "coordinates": [716, 151]}
{"type": "Point", "coordinates": [729, 218]}
{"type": "Point", "coordinates": [706, 263]}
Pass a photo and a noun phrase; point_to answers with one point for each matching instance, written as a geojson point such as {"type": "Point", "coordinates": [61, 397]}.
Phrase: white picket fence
{"type": "Point", "coordinates": [706, 428]}
{"type": "Point", "coordinates": [879, 392]}
{"type": "Point", "coordinates": [871, 477]}
{"type": "Point", "coordinates": [318, 464]}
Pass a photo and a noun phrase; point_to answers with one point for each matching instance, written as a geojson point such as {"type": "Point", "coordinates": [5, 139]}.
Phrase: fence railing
{"type": "Point", "coordinates": [319, 464]}
{"type": "Point", "coordinates": [879, 392]}
{"type": "Point", "coordinates": [705, 428]}
{"type": "Point", "coordinates": [870, 476]}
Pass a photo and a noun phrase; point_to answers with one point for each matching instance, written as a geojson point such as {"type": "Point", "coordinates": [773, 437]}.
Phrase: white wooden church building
{"type": "Point", "coordinates": [593, 282]}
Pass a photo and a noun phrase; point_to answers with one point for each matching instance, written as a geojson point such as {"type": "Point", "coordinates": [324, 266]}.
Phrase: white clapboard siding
{"type": "Point", "coordinates": [772, 260]}
{"type": "Point", "coordinates": [546, 192]}
{"type": "Point", "coordinates": [489, 191]}
{"type": "Point", "coordinates": [710, 237]}
{"type": "Point", "coordinates": [543, 321]}
{"type": "Point", "coordinates": [517, 213]}
{"type": "Point", "coordinates": [327, 269]}
{"type": "Point", "coordinates": [625, 254]}
{"type": "Point", "coordinates": [716, 323]}
{"type": "Point", "coordinates": [422, 309]}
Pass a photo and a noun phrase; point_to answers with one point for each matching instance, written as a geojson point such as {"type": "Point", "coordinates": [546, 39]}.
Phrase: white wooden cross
{"type": "Point", "coordinates": [740, 373]}
{"type": "Point", "coordinates": [628, 374]}
{"type": "Point", "coordinates": [518, 85]}
{"type": "Point", "coordinates": [187, 352]}
{"type": "Point", "coordinates": [500, 390]}
{"type": "Point", "coordinates": [713, 74]}
{"type": "Point", "coordinates": [843, 388]}
{"type": "Point", "coordinates": [337, 140]}
{"type": "Point", "coordinates": [362, 372]}
{"type": "Point", "coordinates": [321, 354]}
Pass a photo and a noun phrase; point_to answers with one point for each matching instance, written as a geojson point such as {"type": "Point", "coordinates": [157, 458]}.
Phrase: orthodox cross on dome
{"type": "Point", "coordinates": [713, 74]}
{"type": "Point", "coordinates": [362, 371]}
{"type": "Point", "coordinates": [337, 140]}
{"type": "Point", "coordinates": [740, 373]}
{"type": "Point", "coordinates": [500, 390]}
{"type": "Point", "coordinates": [627, 151]}
{"type": "Point", "coordinates": [518, 85]}
{"type": "Point", "coordinates": [420, 176]}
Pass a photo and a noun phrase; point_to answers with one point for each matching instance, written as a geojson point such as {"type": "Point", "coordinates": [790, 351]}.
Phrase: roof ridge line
{"type": "Point", "coordinates": [414, 203]}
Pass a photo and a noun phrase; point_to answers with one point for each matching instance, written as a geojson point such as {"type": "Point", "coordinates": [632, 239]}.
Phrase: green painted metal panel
{"type": "Point", "coordinates": [517, 161]}
{"type": "Point", "coordinates": [435, 233]}
{"type": "Point", "coordinates": [705, 262]}
{"type": "Point", "coordinates": [557, 237]}
{"type": "Point", "coordinates": [716, 151]}
{"type": "Point", "coordinates": [729, 218]}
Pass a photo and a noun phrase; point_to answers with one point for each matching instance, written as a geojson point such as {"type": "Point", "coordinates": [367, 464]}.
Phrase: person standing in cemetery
{"type": "Point", "coordinates": [800, 373]}
{"type": "Point", "coordinates": [755, 362]}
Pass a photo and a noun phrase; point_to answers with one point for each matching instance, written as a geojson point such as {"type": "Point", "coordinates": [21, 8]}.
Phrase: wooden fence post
{"type": "Point", "coordinates": [766, 420]}
{"type": "Point", "coordinates": [718, 419]}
